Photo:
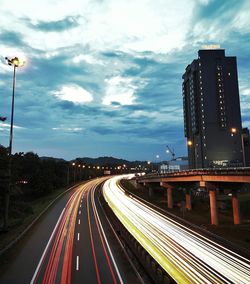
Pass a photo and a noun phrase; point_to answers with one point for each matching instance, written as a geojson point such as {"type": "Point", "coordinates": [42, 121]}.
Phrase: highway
{"type": "Point", "coordinates": [186, 255]}
{"type": "Point", "coordinates": [79, 246]}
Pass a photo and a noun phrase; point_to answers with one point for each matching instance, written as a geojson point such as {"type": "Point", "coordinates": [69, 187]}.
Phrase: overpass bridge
{"type": "Point", "coordinates": [209, 179]}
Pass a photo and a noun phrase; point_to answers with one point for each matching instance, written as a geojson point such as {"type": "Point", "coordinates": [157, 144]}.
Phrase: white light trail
{"type": "Point", "coordinates": [186, 255]}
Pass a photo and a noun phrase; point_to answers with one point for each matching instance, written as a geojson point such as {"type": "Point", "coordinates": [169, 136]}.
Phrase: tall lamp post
{"type": "Point", "coordinates": [15, 62]}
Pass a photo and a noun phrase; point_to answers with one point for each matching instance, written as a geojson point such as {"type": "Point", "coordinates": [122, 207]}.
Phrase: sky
{"type": "Point", "coordinates": [104, 77]}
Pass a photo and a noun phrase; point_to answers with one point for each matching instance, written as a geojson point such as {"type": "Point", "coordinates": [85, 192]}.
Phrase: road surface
{"type": "Point", "coordinates": [71, 244]}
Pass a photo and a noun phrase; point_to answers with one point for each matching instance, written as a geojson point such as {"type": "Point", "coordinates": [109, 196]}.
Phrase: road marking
{"type": "Point", "coordinates": [79, 212]}
{"type": "Point", "coordinates": [46, 248]}
{"type": "Point", "coordinates": [105, 238]}
{"type": "Point", "coordinates": [79, 221]}
{"type": "Point", "coordinates": [78, 236]}
{"type": "Point", "coordinates": [77, 263]}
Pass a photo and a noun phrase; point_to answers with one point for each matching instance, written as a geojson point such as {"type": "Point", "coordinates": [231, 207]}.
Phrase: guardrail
{"type": "Point", "coordinates": [208, 171]}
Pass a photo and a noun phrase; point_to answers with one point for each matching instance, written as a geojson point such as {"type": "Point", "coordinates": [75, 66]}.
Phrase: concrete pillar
{"type": "Point", "coordinates": [170, 197]}
{"type": "Point", "coordinates": [213, 207]}
{"type": "Point", "coordinates": [188, 201]}
{"type": "Point", "coordinates": [236, 209]}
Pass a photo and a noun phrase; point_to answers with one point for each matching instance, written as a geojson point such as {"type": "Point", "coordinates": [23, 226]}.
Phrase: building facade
{"type": "Point", "coordinates": [211, 108]}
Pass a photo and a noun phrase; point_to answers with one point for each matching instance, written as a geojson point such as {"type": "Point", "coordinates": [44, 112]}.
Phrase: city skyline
{"type": "Point", "coordinates": [105, 78]}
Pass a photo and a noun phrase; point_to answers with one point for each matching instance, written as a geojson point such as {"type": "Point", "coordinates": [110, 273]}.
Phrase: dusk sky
{"type": "Point", "coordinates": [104, 77]}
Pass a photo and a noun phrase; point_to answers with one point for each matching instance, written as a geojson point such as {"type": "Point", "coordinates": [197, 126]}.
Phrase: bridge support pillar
{"type": "Point", "coordinates": [170, 197]}
{"type": "Point", "coordinates": [213, 207]}
{"type": "Point", "coordinates": [188, 201]}
{"type": "Point", "coordinates": [236, 209]}
{"type": "Point", "coordinates": [169, 188]}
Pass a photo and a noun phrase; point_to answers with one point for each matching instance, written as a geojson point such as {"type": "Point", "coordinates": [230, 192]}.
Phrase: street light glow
{"type": "Point", "coordinates": [190, 143]}
{"type": "Point", "coordinates": [233, 130]}
{"type": "Point", "coordinates": [16, 62]}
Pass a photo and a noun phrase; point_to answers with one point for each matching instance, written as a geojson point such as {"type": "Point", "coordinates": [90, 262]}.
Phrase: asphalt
{"type": "Point", "coordinates": [71, 243]}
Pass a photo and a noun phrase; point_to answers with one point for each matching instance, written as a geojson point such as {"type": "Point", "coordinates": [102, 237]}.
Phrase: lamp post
{"type": "Point", "coordinates": [158, 166]}
{"type": "Point", "coordinates": [15, 62]}
{"type": "Point", "coordinates": [74, 164]}
{"type": "Point", "coordinates": [149, 165]}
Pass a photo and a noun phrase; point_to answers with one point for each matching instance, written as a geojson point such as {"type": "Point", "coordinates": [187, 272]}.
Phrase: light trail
{"type": "Point", "coordinates": [60, 259]}
{"type": "Point", "coordinates": [187, 256]}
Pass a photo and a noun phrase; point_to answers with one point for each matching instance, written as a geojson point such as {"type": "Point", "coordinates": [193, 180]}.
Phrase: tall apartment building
{"type": "Point", "coordinates": [212, 118]}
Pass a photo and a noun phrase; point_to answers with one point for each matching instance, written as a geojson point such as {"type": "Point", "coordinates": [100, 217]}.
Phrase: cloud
{"type": "Point", "coordinates": [111, 71]}
{"type": "Point", "coordinates": [103, 25]}
{"type": "Point", "coordinates": [56, 26]}
{"type": "Point", "coordinates": [64, 129]}
{"type": "Point", "coordinates": [74, 94]}
{"type": "Point", "coordinates": [119, 90]}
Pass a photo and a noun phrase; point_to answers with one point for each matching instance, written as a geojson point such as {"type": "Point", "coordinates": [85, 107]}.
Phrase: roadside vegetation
{"type": "Point", "coordinates": [34, 183]}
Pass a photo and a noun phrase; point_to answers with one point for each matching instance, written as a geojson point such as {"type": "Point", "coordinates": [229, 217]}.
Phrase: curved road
{"type": "Point", "coordinates": [72, 244]}
{"type": "Point", "coordinates": [186, 255]}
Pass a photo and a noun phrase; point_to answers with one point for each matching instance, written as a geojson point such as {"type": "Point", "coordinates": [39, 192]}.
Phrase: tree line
{"type": "Point", "coordinates": [33, 177]}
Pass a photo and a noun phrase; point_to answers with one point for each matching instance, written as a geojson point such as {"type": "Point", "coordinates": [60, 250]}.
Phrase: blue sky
{"type": "Point", "coordinates": [103, 77]}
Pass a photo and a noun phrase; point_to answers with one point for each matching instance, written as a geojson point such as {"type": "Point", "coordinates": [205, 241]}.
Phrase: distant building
{"type": "Point", "coordinates": [175, 165]}
{"type": "Point", "coordinates": [212, 118]}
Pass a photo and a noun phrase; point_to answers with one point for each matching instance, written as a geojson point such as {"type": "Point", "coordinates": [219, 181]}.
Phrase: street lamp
{"type": "Point", "coordinates": [74, 164]}
{"type": "Point", "coordinates": [15, 62]}
{"type": "Point", "coordinates": [149, 167]}
{"type": "Point", "coordinates": [233, 131]}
